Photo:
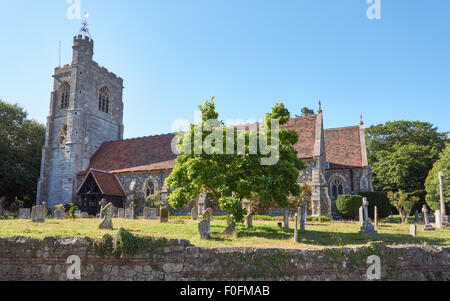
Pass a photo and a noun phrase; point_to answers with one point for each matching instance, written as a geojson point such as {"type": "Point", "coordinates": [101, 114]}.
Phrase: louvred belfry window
{"type": "Point", "coordinates": [64, 96]}
{"type": "Point", "coordinates": [104, 100]}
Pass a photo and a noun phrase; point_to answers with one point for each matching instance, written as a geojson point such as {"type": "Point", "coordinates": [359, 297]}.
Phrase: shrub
{"type": "Point", "coordinates": [380, 200]}
{"type": "Point", "coordinates": [348, 205]}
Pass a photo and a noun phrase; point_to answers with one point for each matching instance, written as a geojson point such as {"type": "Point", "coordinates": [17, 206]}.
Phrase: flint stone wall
{"type": "Point", "coordinates": [22, 258]}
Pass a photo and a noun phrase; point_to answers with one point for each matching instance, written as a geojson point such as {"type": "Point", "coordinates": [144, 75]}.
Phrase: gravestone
{"type": "Point", "coordinates": [302, 218]}
{"type": "Point", "coordinates": [194, 214]}
{"type": "Point", "coordinates": [147, 212]}
{"type": "Point", "coordinates": [59, 214]}
{"type": "Point", "coordinates": [376, 217]}
{"type": "Point", "coordinates": [438, 218]}
{"type": "Point", "coordinates": [444, 220]}
{"type": "Point", "coordinates": [131, 214]}
{"type": "Point", "coordinates": [416, 217]}
{"type": "Point", "coordinates": [427, 226]}
{"type": "Point", "coordinates": [286, 219]}
{"type": "Point", "coordinates": [102, 204]}
{"type": "Point", "coordinates": [204, 229]}
{"type": "Point", "coordinates": [299, 214]}
{"type": "Point", "coordinates": [296, 228]}
{"type": "Point", "coordinates": [230, 230]}
{"type": "Point", "coordinates": [108, 213]}
{"type": "Point", "coordinates": [201, 203]}
{"type": "Point", "coordinates": [164, 215]}
{"type": "Point", "coordinates": [229, 219]}
{"type": "Point", "coordinates": [84, 215]}
{"type": "Point", "coordinates": [128, 213]}
{"type": "Point", "coordinates": [367, 227]}
{"type": "Point", "coordinates": [153, 213]}
{"type": "Point", "coordinates": [38, 214]}
{"type": "Point", "coordinates": [249, 221]}
{"type": "Point", "coordinates": [413, 230]}
{"type": "Point", "coordinates": [24, 213]}
{"type": "Point", "coordinates": [208, 214]}
{"type": "Point", "coordinates": [120, 213]}
{"type": "Point", "coordinates": [361, 215]}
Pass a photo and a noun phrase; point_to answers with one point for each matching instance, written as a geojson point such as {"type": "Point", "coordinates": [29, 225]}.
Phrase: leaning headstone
{"type": "Point", "coordinates": [164, 216]}
{"type": "Point", "coordinates": [230, 230]}
{"type": "Point", "coordinates": [108, 213]}
{"type": "Point", "coordinates": [230, 219]}
{"type": "Point", "coordinates": [194, 213]}
{"type": "Point", "coordinates": [286, 219]}
{"type": "Point", "coordinates": [121, 213]}
{"type": "Point", "coordinates": [413, 230]}
{"type": "Point", "coordinates": [38, 214]}
{"type": "Point", "coordinates": [427, 226]}
{"type": "Point", "coordinates": [204, 229]}
{"type": "Point", "coordinates": [249, 221]}
{"type": "Point", "coordinates": [367, 227]}
{"type": "Point", "coordinates": [59, 214]}
{"type": "Point", "coordinates": [153, 213]}
{"type": "Point", "coordinates": [24, 213]}
{"type": "Point", "coordinates": [361, 215]}
{"type": "Point", "coordinates": [208, 214]}
{"type": "Point", "coordinates": [84, 215]}
{"type": "Point", "coordinates": [376, 217]}
{"type": "Point", "coordinates": [296, 228]}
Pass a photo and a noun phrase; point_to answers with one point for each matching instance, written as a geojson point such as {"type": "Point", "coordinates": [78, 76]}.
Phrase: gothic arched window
{"type": "Point", "coordinates": [150, 188]}
{"type": "Point", "coordinates": [337, 187]}
{"type": "Point", "coordinates": [64, 93]}
{"type": "Point", "coordinates": [104, 100]}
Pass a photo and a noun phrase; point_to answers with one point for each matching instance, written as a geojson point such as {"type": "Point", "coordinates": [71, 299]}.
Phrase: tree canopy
{"type": "Point", "coordinates": [239, 172]}
{"type": "Point", "coordinates": [432, 182]}
{"type": "Point", "coordinates": [21, 142]}
{"type": "Point", "coordinates": [402, 152]}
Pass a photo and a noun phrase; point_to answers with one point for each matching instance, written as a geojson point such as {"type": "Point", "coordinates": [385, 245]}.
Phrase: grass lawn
{"type": "Point", "coordinates": [263, 234]}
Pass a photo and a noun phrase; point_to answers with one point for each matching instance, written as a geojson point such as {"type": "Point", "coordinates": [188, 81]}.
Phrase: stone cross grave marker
{"type": "Point", "coordinates": [164, 215]}
{"type": "Point", "coordinates": [194, 213]}
{"type": "Point", "coordinates": [204, 229]}
{"type": "Point", "coordinates": [427, 226]}
{"type": "Point", "coordinates": [361, 215]}
{"type": "Point", "coordinates": [24, 213]}
{"type": "Point", "coordinates": [367, 227]}
{"type": "Point", "coordinates": [108, 213]}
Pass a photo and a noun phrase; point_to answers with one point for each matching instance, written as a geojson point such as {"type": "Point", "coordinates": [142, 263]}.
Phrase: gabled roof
{"type": "Point", "coordinates": [343, 147]}
{"type": "Point", "coordinates": [106, 182]}
{"type": "Point", "coordinates": [306, 128]}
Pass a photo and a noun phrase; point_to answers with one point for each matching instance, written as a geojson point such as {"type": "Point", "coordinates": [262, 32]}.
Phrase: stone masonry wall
{"type": "Point", "coordinates": [22, 258]}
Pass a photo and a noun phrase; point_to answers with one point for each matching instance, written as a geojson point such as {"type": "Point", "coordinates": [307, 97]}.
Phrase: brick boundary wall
{"type": "Point", "coordinates": [23, 258]}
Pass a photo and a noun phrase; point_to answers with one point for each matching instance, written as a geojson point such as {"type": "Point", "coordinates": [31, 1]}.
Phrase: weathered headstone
{"type": "Point", "coordinates": [413, 230]}
{"type": "Point", "coordinates": [361, 215]}
{"type": "Point", "coordinates": [229, 219]}
{"type": "Point", "coordinates": [59, 214]}
{"type": "Point", "coordinates": [286, 219]}
{"type": "Point", "coordinates": [204, 229]}
{"type": "Point", "coordinates": [230, 230]}
{"type": "Point", "coordinates": [438, 219]}
{"type": "Point", "coordinates": [108, 213]}
{"type": "Point", "coordinates": [427, 226]}
{"type": "Point", "coordinates": [84, 215]}
{"type": "Point", "coordinates": [376, 217]}
{"type": "Point", "coordinates": [38, 214]}
{"type": "Point", "coordinates": [153, 213]}
{"type": "Point", "coordinates": [120, 213]}
{"type": "Point", "coordinates": [24, 213]}
{"type": "Point", "coordinates": [164, 215]}
{"type": "Point", "coordinates": [444, 219]}
{"type": "Point", "coordinates": [128, 213]}
{"type": "Point", "coordinates": [302, 218]}
{"type": "Point", "coordinates": [201, 203]}
{"type": "Point", "coordinates": [194, 214]}
{"type": "Point", "coordinates": [131, 214]}
{"type": "Point", "coordinates": [249, 221]}
{"type": "Point", "coordinates": [102, 204]}
{"type": "Point", "coordinates": [146, 212]}
{"type": "Point", "coordinates": [296, 228]}
{"type": "Point", "coordinates": [208, 214]}
{"type": "Point", "coordinates": [367, 227]}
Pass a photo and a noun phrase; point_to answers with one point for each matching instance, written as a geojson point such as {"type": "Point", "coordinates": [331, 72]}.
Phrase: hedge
{"type": "Point", "coordinates": [380, 200]}
{"type": "Point", "coordinates": [348, 205]}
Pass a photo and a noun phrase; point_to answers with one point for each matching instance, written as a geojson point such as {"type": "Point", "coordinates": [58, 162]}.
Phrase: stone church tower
{"type": "Point", "coordinates": [86, 109]}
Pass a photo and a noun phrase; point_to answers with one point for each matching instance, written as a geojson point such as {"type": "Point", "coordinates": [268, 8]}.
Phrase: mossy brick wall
{"type": "Point", "coordinates": [22, 258]}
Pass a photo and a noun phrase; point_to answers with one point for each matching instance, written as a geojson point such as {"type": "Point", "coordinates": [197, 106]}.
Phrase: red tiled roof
{"type": "Point", "coordinates": [343, 147]}
{"type": "Point", "coordinates": [306, 127]}
{"type": "Point", "coordinates": [166, 165]}
{"type": "Point", "coordinates": [107, 183]}
{"type": "Point", "coordinates": [133, 153]}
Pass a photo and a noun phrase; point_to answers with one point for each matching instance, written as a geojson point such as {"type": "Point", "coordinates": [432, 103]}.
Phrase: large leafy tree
{"type": "Point", "coordinates": [402, 152]}
{"type": "Point", "coordinates": [233, 178]}
{"type": "Point", "coordinates": [21, 142]}
{"type": "Point", "coordinates": [432, 182]}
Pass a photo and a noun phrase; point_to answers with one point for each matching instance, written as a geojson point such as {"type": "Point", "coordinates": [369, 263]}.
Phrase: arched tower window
{"type": "Point", "coordinates": [64, 93]}
{"type": "Point", "coordinates": [337, 187]}
{"type": "Point", "coordinates": [150, 188]}
{"type": "Point", "coordinates": [104, 98]}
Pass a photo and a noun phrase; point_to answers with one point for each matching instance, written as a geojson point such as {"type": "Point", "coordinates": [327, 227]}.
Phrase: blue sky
{"type": "Point", "coordinates": [249, 54]}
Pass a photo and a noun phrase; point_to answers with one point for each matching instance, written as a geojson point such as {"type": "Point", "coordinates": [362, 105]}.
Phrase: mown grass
{"type": "Point", "coordinates": [263, 234]}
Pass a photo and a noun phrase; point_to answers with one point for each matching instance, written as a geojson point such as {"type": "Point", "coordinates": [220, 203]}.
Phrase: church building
{"type": "Point", "coordinates": [85, 158]}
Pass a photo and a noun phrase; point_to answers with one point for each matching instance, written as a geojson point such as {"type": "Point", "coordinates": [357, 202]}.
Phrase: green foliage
{"type": "Point", "coordinates": [21, 142]}
{"type": "Point", "coordinates": [348, 205]}
{"type": "Point", "coordinates": [402, 152]}
{"type": "Point", "coordinates": [432, 181]}
{"type": "Point", "coordinates": [72, 209]}
{"type": "Point", "coordinates": [307, 111]}
{"type": "Point", "coordinates": [380, 200]}
{"type": "Point", "coordinates": [232, 178]}
{"type": "Point", "coordinates": [60, 207]}
{"type": "Point", "coordinates": [402, 201]}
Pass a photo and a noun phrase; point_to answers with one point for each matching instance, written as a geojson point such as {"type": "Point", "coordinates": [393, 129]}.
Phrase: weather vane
{"type": "Point", "coordinates": [84, 30]}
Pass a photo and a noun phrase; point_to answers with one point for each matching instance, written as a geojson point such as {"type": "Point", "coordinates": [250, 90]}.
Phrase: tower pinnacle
{"type": "Point", "coordinates": [84, 29]}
